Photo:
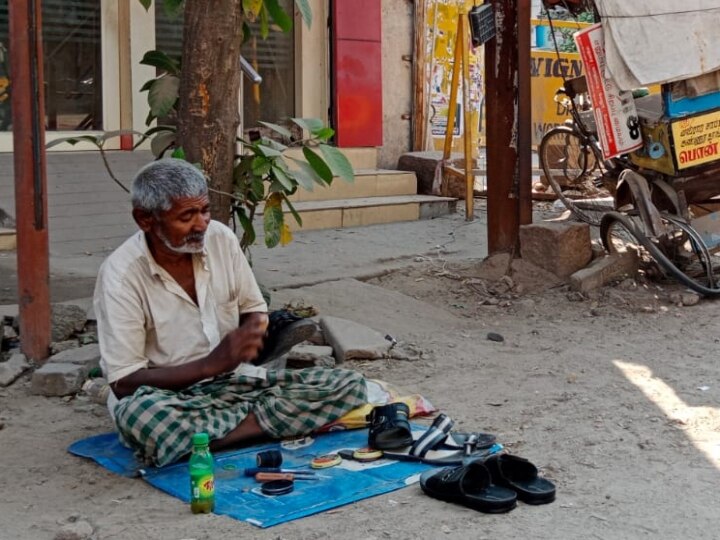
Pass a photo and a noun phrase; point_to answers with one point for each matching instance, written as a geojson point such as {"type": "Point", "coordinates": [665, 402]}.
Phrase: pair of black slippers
{"type": "Point", "coordinates": [476, 478]}
{"type": "Point", "coordinates": [491, 485]}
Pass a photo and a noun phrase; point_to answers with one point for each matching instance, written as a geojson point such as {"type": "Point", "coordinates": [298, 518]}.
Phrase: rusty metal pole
{"type": "Point", "coordinates": [524, 9]}
{"type": "Point", "coordinates": [28, 117]}
{"type": "Point", "coordinates": [506, 137]}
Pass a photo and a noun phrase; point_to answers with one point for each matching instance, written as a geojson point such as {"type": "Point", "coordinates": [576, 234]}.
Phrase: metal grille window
{"type": "Point", "coordinates": [273, 58]}
{"type": "Point", "coordinates": [72, 65]}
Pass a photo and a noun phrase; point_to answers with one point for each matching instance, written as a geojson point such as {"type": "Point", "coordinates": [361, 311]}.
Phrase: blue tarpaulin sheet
{"type": "Point", "coordinates": [239, 496]}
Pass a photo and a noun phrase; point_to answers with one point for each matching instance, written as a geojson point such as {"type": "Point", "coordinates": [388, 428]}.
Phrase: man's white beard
{"type": "Point", "coordinates": [194, 243]}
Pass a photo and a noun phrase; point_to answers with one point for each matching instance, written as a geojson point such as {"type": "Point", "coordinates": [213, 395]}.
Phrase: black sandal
{"type": "Point", "coordinates": [389, 427]}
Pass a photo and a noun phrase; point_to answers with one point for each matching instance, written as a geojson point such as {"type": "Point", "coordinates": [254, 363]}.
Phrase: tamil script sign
{"type": "Point", "coordinates": [696, 139]}
{"type": "Point", "coordinates": [615, 114]}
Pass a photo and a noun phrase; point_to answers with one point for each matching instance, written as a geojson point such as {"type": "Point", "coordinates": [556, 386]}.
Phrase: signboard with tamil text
{"type": "Point", "coordinates": [696, 139]}
{"type": "Point", "coordinates": [615, 114]}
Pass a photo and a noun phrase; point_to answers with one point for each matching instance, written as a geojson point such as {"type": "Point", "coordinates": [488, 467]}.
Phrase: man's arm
{"type": "Point", "coordinates": [240, 345]}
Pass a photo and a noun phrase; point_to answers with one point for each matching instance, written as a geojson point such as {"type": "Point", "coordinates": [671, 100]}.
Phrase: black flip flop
{"type": "Point", "coordinates": [469, 485]}
{"type": "Point", "coordinates": [522, 477]}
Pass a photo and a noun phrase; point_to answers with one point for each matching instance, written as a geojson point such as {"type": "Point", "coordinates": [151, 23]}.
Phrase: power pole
{"type": "Point", "coordinates": [508, 117]}
{"type": "Point", "coordinates": [28, 117]}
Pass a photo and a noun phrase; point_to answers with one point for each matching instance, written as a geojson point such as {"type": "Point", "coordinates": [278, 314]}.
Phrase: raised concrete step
{"type": "Point", "coordinates": [367, 183]}
{"type": "Point", "coordinates": [359, 211]}
{"type": "Point", "coordinates": [8, 239]}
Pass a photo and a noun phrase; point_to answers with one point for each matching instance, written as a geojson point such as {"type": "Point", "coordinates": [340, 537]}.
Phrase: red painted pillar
{"type": "Point", "coordinates": [357, 72]}
{"type": "Point", "coordinates": [28, 116]}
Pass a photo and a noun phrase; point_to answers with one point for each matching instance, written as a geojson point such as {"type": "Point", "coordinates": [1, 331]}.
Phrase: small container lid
{"type": "Point", "coordinates": [200, 439]}
{"type": "Point", "coordinates": [277, 487]}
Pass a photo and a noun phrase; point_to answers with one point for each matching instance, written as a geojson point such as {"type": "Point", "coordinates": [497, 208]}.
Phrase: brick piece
{"type": "Point", "coordinates": [55, 379]}
{"type": "Point", "coordinates": [560, 248]}
{"type": "Point", "coordinates": [88, 356]}
{"type": "Point", "coordinates": [351, 340]}
{"type": "Point", "coordinates": [606, 269]}
{"type": "Point", "coordinates": [10, 370]}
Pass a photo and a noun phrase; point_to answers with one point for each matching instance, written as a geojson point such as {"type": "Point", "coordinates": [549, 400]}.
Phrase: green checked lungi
{"type": "Point", "coordinates": [159, 424]}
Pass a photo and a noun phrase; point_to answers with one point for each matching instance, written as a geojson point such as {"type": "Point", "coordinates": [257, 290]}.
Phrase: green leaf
{"type": "Point", "coordinates": [257, 189]}
{"type": "Point", "coordinates": [163, 95]}
{"type": "Point", "coordinates": [305, 11]}
{"type": "Point", "coordinates": [267, 150]}
{"type": "Point", "coordinates": [246, 224]}
{"type": "Point", "coordinates": [338, 163]}
{"type": "Point", "coordinates": [283, 178]}
{"type": "Point", "coordinates": [278, 15]}
{"type": "Point", "coordinates": [161, 142]}
{"type": "Point", "coordinates": [252, 7]}
{"type": "Point", "coordinates": [147, 85]}
{"type": "Point", "coordinates": [146, 4]}
{"type": "Point", "coordinates": [246, 32]}
{"type": "Point", "coordinates": [264, 23]}
{"type": "Point", "coordinates": [294, 212]}
{"type": "Point", "coordinates": [162, 61]}
{"type": "Point", "coordinates": [305, 175]}
{"type": "Point", "coordinates": [261, 166]}
{"type": "Point", "coordinates": [178, 153]}
{"type": "Point", "coordinates": [285, 132]}
{"type": "Point", "coordinates": [312, 125]}
{"type": "Point", "coordinates": [273, 220]}
{"type": "Point", "coordinates": [150, 117]}
{"type": "Point", "coordinates": [173, 8]}
{"type": "Point", "coordinates": [318, 164]}
{"type": "Point", "coordinates": [324, 133]}
{"type": "Point", "coordinates": [274, 145]}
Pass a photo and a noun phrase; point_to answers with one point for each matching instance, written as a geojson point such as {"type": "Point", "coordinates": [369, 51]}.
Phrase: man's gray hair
{"type": "Point", "coordinates": [159, 183]}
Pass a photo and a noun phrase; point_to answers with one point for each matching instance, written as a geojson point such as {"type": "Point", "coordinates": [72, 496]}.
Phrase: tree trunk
{"type": "Point", "coordinates": [208, 115]}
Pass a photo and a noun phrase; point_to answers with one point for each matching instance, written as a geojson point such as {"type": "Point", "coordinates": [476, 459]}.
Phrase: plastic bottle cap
{"type": "Point", "coordinates": [200, 439]}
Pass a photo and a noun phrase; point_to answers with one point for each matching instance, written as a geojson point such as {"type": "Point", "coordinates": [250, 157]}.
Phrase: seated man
{"type": "Point", "coordinates": [180, 321]}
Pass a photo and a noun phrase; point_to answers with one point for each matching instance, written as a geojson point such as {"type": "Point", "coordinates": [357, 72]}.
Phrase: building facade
{"type": "Point", "coordinates": [350, 68]}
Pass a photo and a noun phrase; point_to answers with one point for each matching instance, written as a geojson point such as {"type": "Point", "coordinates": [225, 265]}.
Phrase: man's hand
{"type": "Point", "coordinates": [239, 346]}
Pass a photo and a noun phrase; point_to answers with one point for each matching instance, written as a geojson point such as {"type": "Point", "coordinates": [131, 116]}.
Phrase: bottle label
{"type": "Point", "coordinates": [203, 487]}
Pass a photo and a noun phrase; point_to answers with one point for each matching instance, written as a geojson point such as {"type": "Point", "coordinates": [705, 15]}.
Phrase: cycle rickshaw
{"type": "Point", "coordinates": [663, 197]}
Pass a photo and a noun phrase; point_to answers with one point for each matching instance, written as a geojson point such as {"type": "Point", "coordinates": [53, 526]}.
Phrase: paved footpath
{"type": "Point", "coordinates": [90, 216]}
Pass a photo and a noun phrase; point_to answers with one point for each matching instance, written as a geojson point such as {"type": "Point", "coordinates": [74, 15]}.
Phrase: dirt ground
{"type": "Point", "coordinates": [613, 395]}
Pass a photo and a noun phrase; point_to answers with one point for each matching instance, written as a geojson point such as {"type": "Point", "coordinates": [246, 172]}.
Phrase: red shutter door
{"type": "Point", "coordinates": [357, 72]}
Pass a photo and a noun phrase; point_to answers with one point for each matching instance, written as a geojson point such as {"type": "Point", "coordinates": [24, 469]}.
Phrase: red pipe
{"type": "Point", "coordinates": [28, 116]}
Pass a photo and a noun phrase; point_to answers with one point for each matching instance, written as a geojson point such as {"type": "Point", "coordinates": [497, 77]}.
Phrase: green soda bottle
{"type": "Point", "coordinates": [202, 477]}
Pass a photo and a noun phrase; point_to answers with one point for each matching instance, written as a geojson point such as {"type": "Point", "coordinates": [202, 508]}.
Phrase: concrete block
{"type": "Point", "coordinates": [351, 340]}
{"type": "Point", "coordinates": [302, 356]}
{"type": "Point", "coordinates": [560, 248]}
{"type": "Point", "coordinates": [604, 270]}
{"type": "Point", "coordinates": [11, 369]}
{"type": "Point", "coordinates": [309, 352]}
{"type": "Point", "coordinates": [60, 346]}
{"type": "Point", "coordinates": [88, 356]}
{"type": "Point", "coordinates": [66, 320]}
{"type": "Point", "coordinates": [55, 379]}
{"type": "Point", "coordinates": [423, 164]}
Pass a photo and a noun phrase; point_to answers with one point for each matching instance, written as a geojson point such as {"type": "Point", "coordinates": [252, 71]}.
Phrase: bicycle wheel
{"type": "Point", "coordinates": [572, 170]}
{"type": "Point", "coordinates": [616, 227]}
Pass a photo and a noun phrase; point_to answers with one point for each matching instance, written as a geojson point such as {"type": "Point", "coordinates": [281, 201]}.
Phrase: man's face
{"type": "Point", "coordinates": [182, 228]}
